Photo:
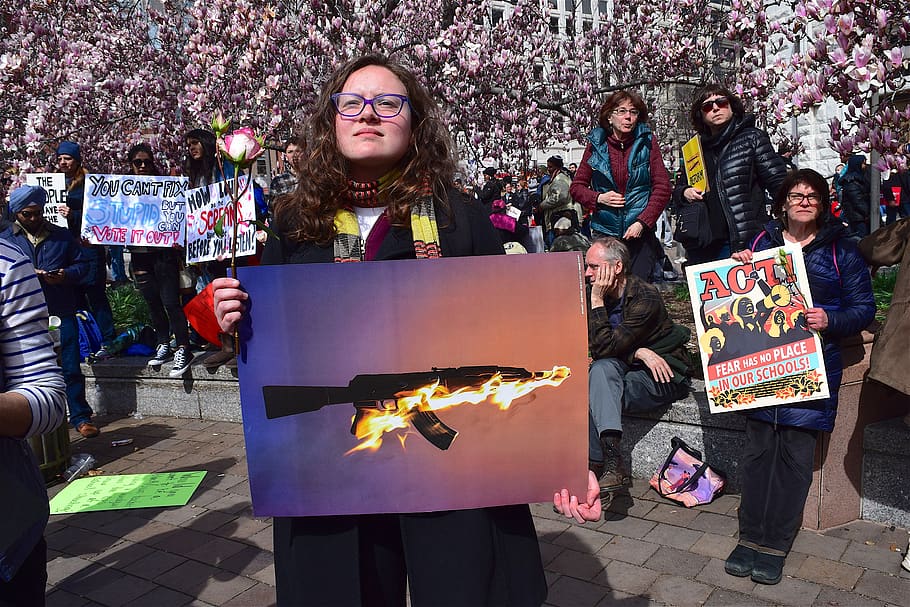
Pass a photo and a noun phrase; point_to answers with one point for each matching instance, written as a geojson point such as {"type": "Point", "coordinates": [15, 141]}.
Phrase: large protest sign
{"type": "Point", "coordinates": [135, 210]}
{"type": "Point", "coordinates": [756, 348]}
{"type": "Point", "coordinates": [425, 403]}
{"type": "Point", "coordinates": [211, 205]}
{"type": "Point", "coordinates": [55, 186]}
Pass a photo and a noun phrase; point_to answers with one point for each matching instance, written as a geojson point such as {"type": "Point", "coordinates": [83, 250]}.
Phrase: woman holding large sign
{"type": "Point", "coordinates": [375, 184]}
{"type": "Point", "coordinates": [623, 181]}
{"type": "Point", "coordinates": [780, 441]}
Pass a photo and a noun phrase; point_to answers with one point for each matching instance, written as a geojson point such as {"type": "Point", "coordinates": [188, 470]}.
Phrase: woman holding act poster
{"type": "Point", "coordinates": [780, 441]}
{"type": "Point", "coordinates": [375, 185]}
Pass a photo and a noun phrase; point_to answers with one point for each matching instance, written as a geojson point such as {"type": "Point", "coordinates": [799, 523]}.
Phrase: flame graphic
{"type": "Point", "coordinates": [374, 423]}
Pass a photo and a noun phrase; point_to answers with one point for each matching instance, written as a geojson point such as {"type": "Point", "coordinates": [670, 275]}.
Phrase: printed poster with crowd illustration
{"type": "Point", "coordinates": [756, 348]}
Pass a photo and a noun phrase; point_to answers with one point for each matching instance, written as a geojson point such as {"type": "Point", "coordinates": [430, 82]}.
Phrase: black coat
{"type": "Point", "coordinates": [741, 163]}
{"type": "Point", "coordinates": [855, 198]}
{"type": "Point", "coordinates": [482, 556]}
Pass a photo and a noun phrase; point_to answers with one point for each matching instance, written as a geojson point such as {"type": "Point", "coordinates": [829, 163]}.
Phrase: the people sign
{"type": "Point", "coordinates": [756, 348]}
{"type": "Point", "coordinates": [134, 210]}
{"type": "Point", "coordinates": [55, 186]}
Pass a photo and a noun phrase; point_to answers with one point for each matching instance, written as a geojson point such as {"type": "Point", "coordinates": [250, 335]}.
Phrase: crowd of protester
{"type": "Point", "coordinates": [613, 206]}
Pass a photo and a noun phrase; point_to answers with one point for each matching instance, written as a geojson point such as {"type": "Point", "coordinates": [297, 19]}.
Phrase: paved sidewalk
{"type": "Point", "coordinates": [213, 552]}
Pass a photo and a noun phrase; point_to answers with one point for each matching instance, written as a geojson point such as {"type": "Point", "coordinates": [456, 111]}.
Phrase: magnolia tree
{"type": "Point", "coordinates": [108, 73]}
{"type": "Point", "coordinates": [852, 52]}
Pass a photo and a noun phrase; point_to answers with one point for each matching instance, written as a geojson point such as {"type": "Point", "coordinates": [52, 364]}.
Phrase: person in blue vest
{"type": "Point", "coordinates": [61, 266]}
{"type": "Point", "coordinates": [622, 180]}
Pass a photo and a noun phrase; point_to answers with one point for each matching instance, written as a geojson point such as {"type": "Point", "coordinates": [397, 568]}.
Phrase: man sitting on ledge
{"type": "Point", "coordinates": [640, 360]}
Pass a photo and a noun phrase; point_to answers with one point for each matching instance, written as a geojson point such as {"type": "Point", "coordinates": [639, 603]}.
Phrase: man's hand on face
{"type": "Point", "coordinates": [605, 280]}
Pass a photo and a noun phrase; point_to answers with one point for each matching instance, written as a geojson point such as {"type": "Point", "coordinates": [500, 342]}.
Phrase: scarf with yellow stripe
{"type": "Point", "coordinates": [349, 245]}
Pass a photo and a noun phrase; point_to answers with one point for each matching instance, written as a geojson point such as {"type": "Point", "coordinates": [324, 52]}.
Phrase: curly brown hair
{"type": "Point", "coordinates": [613, 101]}
{"type": "Point", "coordinates": [308, 215]}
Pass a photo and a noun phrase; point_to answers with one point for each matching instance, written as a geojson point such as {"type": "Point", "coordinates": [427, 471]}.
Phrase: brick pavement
{"type": "Point", "coordinates": [213, 552]}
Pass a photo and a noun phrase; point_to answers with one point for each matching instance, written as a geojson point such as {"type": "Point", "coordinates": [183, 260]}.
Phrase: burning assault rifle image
{"type": "Point", "coordinates": [393, 401]}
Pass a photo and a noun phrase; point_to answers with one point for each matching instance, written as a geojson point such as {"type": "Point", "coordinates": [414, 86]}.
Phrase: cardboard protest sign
{"type": "Point", "coordinates": [755, 346]}
{"type": "Point", "coordinates": [423, 402]}
{"type": "Point", "coordinates": [55, 186]}
{"type": "Point", "coordinates": [209, 205]}
{"type": "Point", "coordinates": [126, 491]}
{"type": "Point", "coordinates": [139, 210]}
{"type": "Point", "coordinates": [694, 162]}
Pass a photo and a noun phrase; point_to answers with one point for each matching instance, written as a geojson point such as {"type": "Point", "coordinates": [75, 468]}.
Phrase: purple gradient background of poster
{"type": "Point", "coordinates": [323, 324]}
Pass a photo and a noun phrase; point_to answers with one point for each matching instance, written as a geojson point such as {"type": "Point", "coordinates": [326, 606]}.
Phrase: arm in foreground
{"type": "Point", "coordinates": [34, 399]}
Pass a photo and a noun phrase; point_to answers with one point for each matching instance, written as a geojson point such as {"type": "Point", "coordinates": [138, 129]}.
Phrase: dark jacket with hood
{"type": "Point", "coordinates": [740, 164]}
{"type": "Point", "coordinates": [854, 186]}
{"type": "Point", "coordinates": [840, 284]}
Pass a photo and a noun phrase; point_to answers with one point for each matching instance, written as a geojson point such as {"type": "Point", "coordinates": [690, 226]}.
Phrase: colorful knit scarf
{"type": "Point", "coordinates": [349, 245]}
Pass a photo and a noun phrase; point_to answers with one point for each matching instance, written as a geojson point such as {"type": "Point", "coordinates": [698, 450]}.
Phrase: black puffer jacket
{"type": "Point", "coordinates": [855, 203]}
{"type": "Point", "coordinates": [741, 163]}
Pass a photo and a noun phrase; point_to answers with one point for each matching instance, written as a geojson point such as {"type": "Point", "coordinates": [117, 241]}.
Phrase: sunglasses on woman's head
{"type": "Point", "coordinates": [721, 103]}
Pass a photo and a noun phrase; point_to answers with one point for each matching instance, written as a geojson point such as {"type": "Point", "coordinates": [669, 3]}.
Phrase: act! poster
{"type": "Point", "coordinates": [138, 210]}
{"type": "Point", "coordinates": [756, 349]}
{"type": "Point", "coordinates": [414, 385]}
{"type": "Point", "coordinates": [211, 206]}
{"type": "Point", "coordinates": [55, 186]}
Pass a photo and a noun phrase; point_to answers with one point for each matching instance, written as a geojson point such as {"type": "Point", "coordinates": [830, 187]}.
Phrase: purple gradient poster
{"type": "Point", "coordinates": [470, 378]}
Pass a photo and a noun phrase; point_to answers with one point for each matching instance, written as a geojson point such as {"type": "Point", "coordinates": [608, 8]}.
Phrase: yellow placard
{"type": "Point", "coordinates": [694, 161]}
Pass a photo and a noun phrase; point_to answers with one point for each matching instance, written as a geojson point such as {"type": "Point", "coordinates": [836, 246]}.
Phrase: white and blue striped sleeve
{"type": "Point", "coordinates": [29, 364]}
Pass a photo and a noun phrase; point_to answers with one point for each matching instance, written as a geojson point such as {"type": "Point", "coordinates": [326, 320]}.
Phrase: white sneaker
{"type": "Point", "coordinates": [162, 355]}
{"type": "Point", "coordinates": [906, 562]}
{"type": "Point", "coordinates": [182, 359]}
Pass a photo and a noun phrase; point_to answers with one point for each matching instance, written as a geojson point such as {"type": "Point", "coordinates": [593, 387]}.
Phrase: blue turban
{"type": "Point", "coordinates": [70, 148]}
{"type": "Point", "coordinates": [26, 196]}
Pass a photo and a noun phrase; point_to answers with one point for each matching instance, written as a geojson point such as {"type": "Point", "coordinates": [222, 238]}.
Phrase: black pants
{"type": "Point", "coordinates": [26, 589]}
{"type": "Point", "coordinates": [157, 275]}
{"type": "Point", "coordinates": [777, 472]}
{"type": "Point", "coordinates": [484, 556]}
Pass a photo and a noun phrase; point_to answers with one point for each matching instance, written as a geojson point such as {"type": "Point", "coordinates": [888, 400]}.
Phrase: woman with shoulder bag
{"type": "Point", "coordinates": [740, 164]}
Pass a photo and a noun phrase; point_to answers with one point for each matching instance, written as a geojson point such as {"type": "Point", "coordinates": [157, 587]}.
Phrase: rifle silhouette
{"type": "Point", "coordinates": [380, 392]}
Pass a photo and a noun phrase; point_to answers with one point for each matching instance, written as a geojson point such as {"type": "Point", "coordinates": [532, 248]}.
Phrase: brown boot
{"type": "Point", "coordinates": [223, 356]}
{"type": "Point", "coordinates": [614, 476]}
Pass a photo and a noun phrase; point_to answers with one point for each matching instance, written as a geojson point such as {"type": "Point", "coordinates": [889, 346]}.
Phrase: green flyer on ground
{"type": "Point", "coordinates": [125, 491]}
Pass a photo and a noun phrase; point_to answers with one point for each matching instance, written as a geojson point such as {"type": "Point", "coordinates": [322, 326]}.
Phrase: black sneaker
{"type": "Point", "coordinates": [162, 355]}
{"type": "Point", "coordinates": [182, 359]}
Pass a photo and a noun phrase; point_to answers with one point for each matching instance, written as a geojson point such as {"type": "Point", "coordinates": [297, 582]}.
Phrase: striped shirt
{"type": "Point", "coordinates": [28, 366]}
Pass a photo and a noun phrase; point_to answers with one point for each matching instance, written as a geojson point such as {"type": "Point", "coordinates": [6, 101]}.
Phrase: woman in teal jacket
{"type": "Point", "coordinates": [622, 179]}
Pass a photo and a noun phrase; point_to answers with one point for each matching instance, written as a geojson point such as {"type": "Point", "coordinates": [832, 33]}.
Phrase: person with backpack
{"type": "Point", "coordinates": [61, 265]}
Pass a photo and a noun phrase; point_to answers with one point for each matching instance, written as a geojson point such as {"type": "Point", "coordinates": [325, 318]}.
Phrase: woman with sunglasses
{"type": "Point", "coordinates": [156, 271]}
{"type": "Point", "coordinates": [740, 164]}
{"type": "Point", "coordinates": [376, 184]}
{"type": "Point", "coordinates": [622, 179]}
{"type": "Point", "coordinates": [779, 454]}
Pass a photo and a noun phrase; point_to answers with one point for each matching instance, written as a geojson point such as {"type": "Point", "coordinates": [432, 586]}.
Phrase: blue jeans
{"type": "Point", "coordinates": [614, 387]}
{"type": "Point", "coordinates": [92, 289]}
{"type": "Point", "coordinates": [118, 267]}
{"type": "Point", "coordinates": [70, 360]}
